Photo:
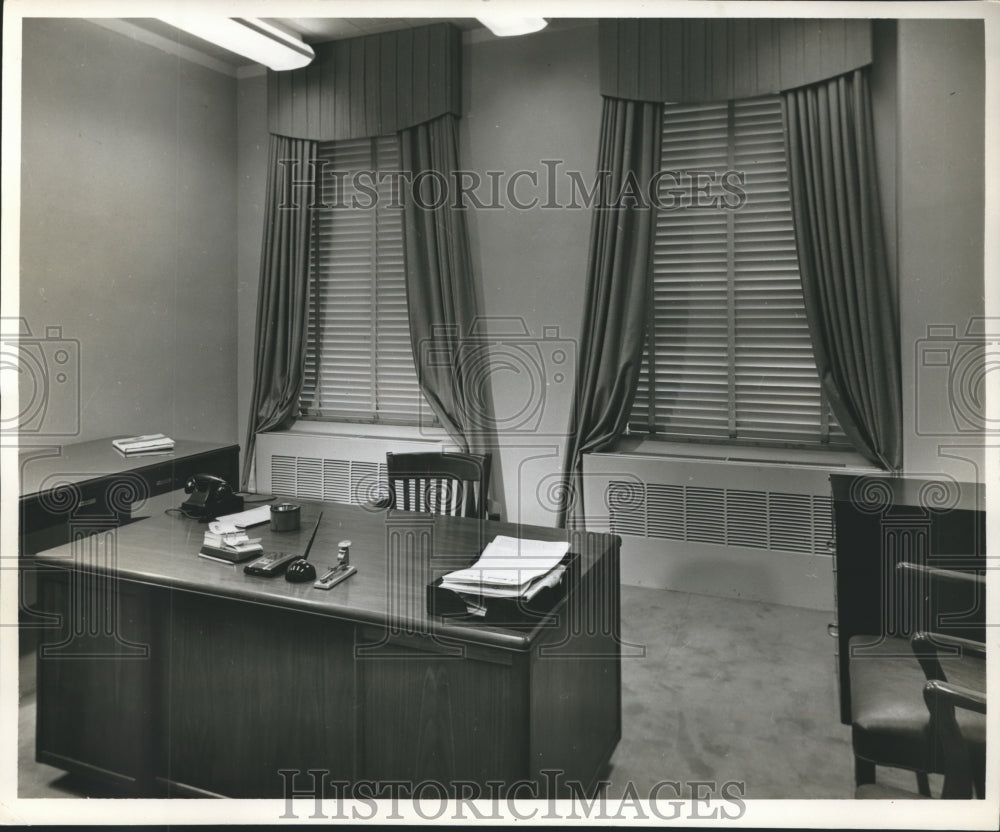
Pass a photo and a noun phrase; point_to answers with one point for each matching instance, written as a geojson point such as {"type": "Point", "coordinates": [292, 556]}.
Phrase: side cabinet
{"type": "Point", "coordinates": [49, 517]}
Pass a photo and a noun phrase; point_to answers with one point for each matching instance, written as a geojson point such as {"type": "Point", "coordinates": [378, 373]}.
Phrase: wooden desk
{"type": "Point", "coordinates": [199, 679]}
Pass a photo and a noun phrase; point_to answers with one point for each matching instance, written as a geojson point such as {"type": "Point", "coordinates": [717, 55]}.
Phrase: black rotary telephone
{"type": "Point", "coordinates": [210, 497]}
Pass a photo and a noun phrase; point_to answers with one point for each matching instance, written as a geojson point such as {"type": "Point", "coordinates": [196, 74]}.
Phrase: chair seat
{"type": "Point", "coordinates": [891, 724]}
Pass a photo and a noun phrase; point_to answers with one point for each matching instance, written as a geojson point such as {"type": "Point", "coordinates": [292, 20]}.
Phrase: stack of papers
{"type": "Point", "coordinates": [150, 443]}
{"type": "Point", "coordinates": [510, 567]}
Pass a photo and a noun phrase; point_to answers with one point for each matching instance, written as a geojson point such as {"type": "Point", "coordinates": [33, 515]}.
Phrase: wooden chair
{"type": "Point", "coordinates": [891, 725]}
{"type": "Point", "coordinates": [955, 695]}
{"type": "Point", "coordinates": [439, 483]}
{"type": "Point", "coordinates": [956, 717]}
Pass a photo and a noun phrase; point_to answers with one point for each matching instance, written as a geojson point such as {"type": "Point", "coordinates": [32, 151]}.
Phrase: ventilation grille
{"type": "Point", "coordinates": [333, 480]}
{"type": "Point", "coordinates": [722, 516]}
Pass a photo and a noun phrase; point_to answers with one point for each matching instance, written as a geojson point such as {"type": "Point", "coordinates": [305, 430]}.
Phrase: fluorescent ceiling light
{"type": "Point", "coordinates": [250, 37]}
{"type": "Point", "coordinates": [505, 26]}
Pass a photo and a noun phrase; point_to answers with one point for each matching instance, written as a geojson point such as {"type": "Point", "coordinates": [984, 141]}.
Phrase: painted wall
{"type": "Point", "coordinates": [940, 198]}
{"type": "Point", "coordinates": [527, 101]}
{"type": "Point", "coordinates": [128, 239]}
{"type": "Point", "coordinates": [251, 189]}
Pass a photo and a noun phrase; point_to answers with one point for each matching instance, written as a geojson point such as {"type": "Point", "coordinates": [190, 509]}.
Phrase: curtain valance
{"type": "Point", "coordinates": [369, 86]}
{"type": "Point", "coordinates": [688, 60]}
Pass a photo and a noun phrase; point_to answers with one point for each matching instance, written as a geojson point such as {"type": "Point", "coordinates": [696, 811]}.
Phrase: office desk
{"type": "Point", "coordinates": [178, 675]}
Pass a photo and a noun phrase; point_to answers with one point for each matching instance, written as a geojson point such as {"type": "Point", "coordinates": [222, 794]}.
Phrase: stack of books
{"type": "Point", "coordinates": [510, 568]}
{"type": "Point", "coordinates": [230, 547]}
{"type": "Point", "coordinates": [150, 443]}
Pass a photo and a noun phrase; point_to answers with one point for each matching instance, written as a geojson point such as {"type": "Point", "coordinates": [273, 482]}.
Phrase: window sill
{"type": "Point", "coordinates": [364, 430]}
{"type": "Point", "coordinates": [659, 448]}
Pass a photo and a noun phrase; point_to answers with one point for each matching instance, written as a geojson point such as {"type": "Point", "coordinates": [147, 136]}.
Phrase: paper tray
{"type": "Point", "coordinates": [446, 602]}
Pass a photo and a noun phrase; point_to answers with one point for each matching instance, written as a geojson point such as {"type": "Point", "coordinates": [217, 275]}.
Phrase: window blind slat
{"type": "Point", "coordinates": [359, 362]}
{"type": "Point", "coordinates": [729, 331]}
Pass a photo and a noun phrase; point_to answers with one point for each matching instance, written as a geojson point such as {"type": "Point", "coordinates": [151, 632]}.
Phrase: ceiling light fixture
{"type": "Point", "coordinates": [504, 26]}
{"type": "Point", "coordinates": [250, 37]}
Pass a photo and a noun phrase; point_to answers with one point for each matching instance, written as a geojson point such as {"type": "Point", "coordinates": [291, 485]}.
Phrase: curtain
{"type": "Point", "coordinates": [617, 295]}
{"type": "Point", "coordinates": [849, 298]}
{"type": "Point", "coordinates": [282, 303]}
{"type": "Point", "coordinates": [688, 60]}
{"type": "Point", "coordinates": [440, 294]}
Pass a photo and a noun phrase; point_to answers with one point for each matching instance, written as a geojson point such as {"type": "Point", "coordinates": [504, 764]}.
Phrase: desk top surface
{"type": "Point", "coordinates": [397, 553]}
{"type": "Point", "coordinates": [44, 467]}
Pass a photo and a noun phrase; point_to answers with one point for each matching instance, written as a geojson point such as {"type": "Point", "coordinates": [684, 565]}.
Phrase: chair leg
{"type": "Point", "coordinates": [864, 771]}
{"type": "Point", "coordinates": [923, 786]}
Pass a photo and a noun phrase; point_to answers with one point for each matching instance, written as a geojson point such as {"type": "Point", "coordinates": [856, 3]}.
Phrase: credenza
{"type": "Point", "coordinates": [87, 487]}
{"type": "Point", "coordinates": [169, 674]}
{"type": "Point", "coordinates": [90, 483]}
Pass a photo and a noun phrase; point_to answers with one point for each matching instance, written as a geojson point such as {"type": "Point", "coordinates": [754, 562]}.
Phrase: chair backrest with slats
{"type": "Point", "coordinates": [439, 483]}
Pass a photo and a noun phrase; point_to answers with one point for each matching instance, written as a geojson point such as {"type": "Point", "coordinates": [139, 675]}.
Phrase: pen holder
{"type": "Point", "coordinates": [285, 517]}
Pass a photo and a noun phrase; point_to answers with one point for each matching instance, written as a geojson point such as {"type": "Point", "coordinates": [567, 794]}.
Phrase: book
{"type": "Point", "coordinates": [150, 443]}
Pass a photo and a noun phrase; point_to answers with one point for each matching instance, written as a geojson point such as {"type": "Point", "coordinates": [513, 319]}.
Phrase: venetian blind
{"type": "Point", "coordinates": [359, 363]}
{"type": "Point", "coordinates": [728, 355]}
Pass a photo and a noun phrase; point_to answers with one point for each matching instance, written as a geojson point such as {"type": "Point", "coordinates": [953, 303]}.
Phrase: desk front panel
{"type": "Point", "coordinates": [253, 690]}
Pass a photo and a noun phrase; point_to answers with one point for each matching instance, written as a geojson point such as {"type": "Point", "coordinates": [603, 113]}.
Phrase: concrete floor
{"type": "Point", "coordinates": [713, 689]}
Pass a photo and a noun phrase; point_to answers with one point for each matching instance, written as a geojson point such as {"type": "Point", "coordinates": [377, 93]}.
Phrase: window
{"type": "Point", "coordinates": [728, 355]}
{"type": "Point", "coordinates": [359, 363]}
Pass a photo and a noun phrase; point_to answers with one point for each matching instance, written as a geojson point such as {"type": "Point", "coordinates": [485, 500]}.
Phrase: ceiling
{"type": "Point", "coordinates": [310, 29]}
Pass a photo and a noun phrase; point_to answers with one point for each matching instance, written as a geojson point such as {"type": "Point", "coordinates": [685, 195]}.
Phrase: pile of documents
{"type": "Point", "coordinates": [509, 567]}
{"type": "Point", "coordinates": [150, 443]}
{"type": "Point", "coordinates": [231, 547]}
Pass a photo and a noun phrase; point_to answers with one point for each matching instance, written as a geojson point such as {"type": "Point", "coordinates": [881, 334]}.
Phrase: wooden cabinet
{"type": "Point", "coordinates": [879, 521]}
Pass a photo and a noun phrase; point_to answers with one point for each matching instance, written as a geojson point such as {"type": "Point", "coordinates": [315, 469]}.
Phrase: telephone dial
{"type": "Point", "coordinates": [211, 497]}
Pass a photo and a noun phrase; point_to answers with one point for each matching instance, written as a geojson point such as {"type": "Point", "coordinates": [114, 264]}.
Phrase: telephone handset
{"type": "Point", "coordinates": [211, 497]}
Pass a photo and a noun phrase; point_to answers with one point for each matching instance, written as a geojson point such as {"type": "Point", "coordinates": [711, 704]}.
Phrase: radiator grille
{"type": "Point", "coordinates": [335, 480]}
{"type": "Point", "coordinates": [722, 516]}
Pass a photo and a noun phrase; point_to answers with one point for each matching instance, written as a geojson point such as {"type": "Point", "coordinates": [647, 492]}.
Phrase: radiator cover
{"type": "Point", "coordinates": [335, 468]}
{"type": "Point", "coordinates": [742, 529]}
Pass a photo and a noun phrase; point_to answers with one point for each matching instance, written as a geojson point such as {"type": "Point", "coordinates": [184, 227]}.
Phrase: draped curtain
{"type": "Point", "coordinates": [357, 88]}
{"type": "Point", "coordinates": [440, 294]}
{"type": "Point", "coordinates": [849, 298]}
{"type": "Point", "coordinates": [282, 302]}
{"type": "Point", "coordinates": [617, 293]}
